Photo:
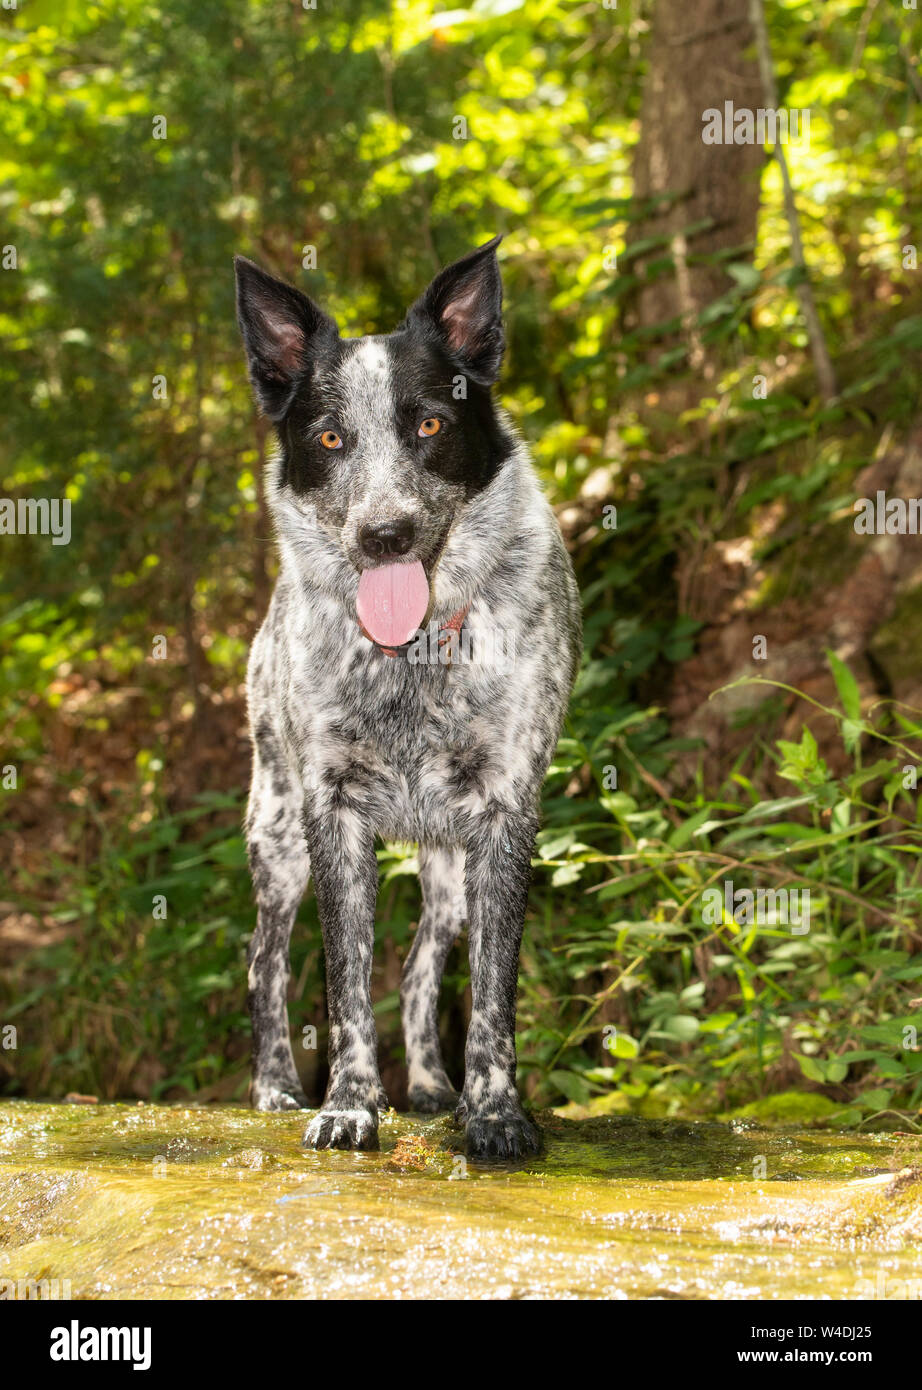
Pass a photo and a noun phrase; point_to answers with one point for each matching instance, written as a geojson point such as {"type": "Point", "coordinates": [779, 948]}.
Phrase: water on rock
{"type": "Point", "coordinates": [145, 1201]}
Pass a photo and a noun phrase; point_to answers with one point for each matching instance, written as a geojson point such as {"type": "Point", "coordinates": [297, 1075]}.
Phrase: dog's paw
{"type": "Point", "coordinates": [501, 1136]}
{"type": "Point", "coordinates": [342, 1129]}
{"type": "Point", "coordinates": [427, 1100]}
{"type": "Point", "coordinates": [264, 1095]}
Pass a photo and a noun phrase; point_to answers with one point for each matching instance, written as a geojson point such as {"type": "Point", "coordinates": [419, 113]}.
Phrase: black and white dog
{"type": "Point", "coordinates": [404, 504]}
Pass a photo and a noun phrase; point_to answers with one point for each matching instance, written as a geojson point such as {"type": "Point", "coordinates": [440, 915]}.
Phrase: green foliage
{"type": "Point", "coordinates": [716, 1009]}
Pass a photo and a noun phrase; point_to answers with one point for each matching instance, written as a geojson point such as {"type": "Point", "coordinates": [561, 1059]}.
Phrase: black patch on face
{"type": "Point", "coordinates": [307, 465]}
{"type": "Point", "coordinates": [472, 444]}
{"type": "Point", "coordinates": [468, 450]}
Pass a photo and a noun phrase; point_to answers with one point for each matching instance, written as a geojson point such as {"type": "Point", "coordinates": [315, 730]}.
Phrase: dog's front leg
{"type": "Point", "coordinates": [497, 875]}
{"type": "Point", "coordinates": [345, 875]}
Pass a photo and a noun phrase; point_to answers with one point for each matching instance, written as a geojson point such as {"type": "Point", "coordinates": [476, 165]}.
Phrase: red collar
{"type": "Point", "coordinates": [454, 624]}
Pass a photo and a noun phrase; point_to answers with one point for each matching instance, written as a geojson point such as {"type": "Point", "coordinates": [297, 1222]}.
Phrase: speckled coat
{"type": "Point", "coordinates": [351, 743]}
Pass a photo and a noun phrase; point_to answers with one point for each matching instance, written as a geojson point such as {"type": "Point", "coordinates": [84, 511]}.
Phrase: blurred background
{"type": "Point", "coordinates": [704, 404]}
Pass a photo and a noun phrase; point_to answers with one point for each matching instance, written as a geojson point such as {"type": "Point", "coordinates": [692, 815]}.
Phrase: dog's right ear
{"type": "Point", "coordinates": [277, 324]}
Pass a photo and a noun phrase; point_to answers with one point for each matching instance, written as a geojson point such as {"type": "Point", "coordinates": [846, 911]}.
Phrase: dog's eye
{"type": "Point", "coordinates": [331, 440]}
{"type": "Point", "coordinates": [429, 427]}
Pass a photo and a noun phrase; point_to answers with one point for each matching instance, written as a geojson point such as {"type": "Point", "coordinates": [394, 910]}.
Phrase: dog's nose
{"type": "Point", "coordinates": [389, 538]}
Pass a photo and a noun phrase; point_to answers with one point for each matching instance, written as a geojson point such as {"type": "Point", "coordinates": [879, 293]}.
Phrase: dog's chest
{"type": "Point", "coordinates": [418, 747]}
{"type": "Point", "coordinates": [405, 712]}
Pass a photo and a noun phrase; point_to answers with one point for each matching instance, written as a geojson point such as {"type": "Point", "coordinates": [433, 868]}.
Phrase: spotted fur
{"type": "Point", "coordinates": [351, 744]}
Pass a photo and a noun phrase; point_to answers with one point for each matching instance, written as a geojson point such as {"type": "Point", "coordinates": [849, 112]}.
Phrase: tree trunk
{"type": "Point", "coordinates": [698, 60]}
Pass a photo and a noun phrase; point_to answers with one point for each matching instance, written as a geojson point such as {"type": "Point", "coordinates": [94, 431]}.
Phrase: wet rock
{"type": "Point", "coordinates": [615, 1207]}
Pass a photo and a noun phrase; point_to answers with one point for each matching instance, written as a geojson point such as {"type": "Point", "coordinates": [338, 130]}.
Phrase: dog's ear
{"type": "Point", "coordinates": [277, 324]}
{"type": "Point", "coordinates": [464, 304]}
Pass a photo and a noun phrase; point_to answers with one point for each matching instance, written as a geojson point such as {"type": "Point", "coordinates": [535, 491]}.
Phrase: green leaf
{"type": "Point", "coordinates": [812, 1069]}
{"type": "Point", "coordinates": [572, 1085]}
{"type": "Point", "coordinates": [852, 729]}
{"type": "Point", "coordinates": [682, 1027]}
{"type": "Point", "coordinates": [846, 685]}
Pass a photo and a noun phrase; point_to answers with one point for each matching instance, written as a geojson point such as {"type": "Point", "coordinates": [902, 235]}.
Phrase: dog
{"type": "Point", "coordinates": [404, 504]}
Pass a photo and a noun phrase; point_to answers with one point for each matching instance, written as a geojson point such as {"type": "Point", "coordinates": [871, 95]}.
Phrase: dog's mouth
{"type": "Point", "coordinates": [392, 602]}
{"type": "Point", "coordinates": [394, 599]}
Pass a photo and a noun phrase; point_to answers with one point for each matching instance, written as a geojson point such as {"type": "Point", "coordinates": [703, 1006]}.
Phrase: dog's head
{"type": "Point", "coordinates": [385, 439]}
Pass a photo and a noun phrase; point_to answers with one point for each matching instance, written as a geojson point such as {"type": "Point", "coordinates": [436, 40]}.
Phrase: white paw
{"type": "Point", "coordinates": [342, 1129]}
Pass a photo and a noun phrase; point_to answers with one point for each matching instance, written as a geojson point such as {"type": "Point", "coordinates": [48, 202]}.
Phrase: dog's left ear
{"type": "Point", "coordinates": [464, 304]}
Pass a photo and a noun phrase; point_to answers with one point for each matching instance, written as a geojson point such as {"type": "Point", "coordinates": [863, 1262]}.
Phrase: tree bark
{"type": "Point", "coordinates": [825, 375]}
{"type": "Point", "coordinates": [698, 60]}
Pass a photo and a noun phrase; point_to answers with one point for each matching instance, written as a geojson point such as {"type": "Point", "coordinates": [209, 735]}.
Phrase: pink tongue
{"type": "Point", "coordinates": [392, 602]}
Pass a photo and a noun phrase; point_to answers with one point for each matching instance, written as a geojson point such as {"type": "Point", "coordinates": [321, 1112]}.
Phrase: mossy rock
{"type": "Point", "coordinates": [613, 1207]}
{"type": "Point", "coordinates": [896, 645]}
{"type": "Point", "coordinates": [797, 1108]}
{"type": "Point", "coordinates": [818, 562]}
{"type": "Point", "coordinates": [613, 1103]}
